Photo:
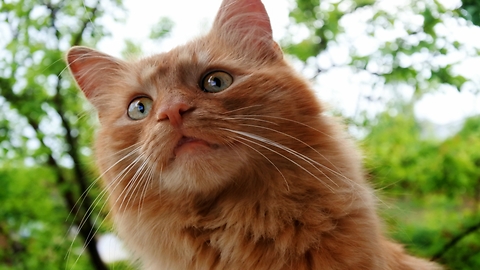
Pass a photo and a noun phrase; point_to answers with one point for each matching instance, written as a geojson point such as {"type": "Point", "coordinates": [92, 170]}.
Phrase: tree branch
{"type": "Point", "coordinates": [78, 38]}
{"type": "Point", "coordinates": [455, 240]}
{"type": "Point", "coordinates": [85, 224]}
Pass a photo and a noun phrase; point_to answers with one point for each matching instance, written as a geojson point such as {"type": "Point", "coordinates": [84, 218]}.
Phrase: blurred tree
{"type": "Point", "coordinates": [398, 157]}
{"type": "Point", "coordinates": [435, 183]}
{"type": "Point", "coordinates": [44, 154]}
{"type": "Point", "coordinates": [471, 10]}
{"type": "Point", "coordinates": [402, 158]}
{"type": "Point", "coordinates": [406, 47]}
{"type": "Point", "coordinates": [402, 50]}
{"type": "Point", "coordinates": [159, 31]}
{"type": "Point", "coordinates": [162, 29]}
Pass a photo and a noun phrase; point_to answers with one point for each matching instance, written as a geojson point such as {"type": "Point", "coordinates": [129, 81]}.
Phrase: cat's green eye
{"type": "Point", "coordinates": [139, 108]}
{"type": "Point", "coordinates": [216, 81]}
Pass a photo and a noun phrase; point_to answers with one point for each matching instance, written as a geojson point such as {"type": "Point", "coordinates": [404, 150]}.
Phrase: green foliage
{"type": "Point", "coordinates": [131, 49]}
{"type": "Point", "coordinates": [159, 31]}
{"type": "Point", "coordinates": [433, 184]}
{"type": "Point", "coordinates": [44, 140]}
{"type": "Point", "coordinates": [470, 9]}
{"type": "Point", "coordinates": [162, 29]}
{"type": "Point", "coordinates": [393, 142]}
{"type": "Point", "coordinates": [402, 159]}
{"type": "Point", "coordinates": [412, 40]}
{"type": "Point", "coordinates": [33, 222]}
{"type": "Point", "coordinates": [426, 226]}
{"type": "Point", "coordinates": [122, 265]}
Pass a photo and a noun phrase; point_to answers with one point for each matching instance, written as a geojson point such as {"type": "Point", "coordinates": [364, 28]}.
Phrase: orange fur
{"type": "Point", "coordinates": [274, 184]}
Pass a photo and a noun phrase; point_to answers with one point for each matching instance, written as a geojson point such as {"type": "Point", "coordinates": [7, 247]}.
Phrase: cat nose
{"type": "Point", "coordinates": [173, 111]}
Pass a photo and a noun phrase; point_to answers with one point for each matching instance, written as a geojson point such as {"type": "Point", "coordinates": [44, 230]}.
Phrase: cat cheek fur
{"type": "Point", "coordinates": [274, 184]}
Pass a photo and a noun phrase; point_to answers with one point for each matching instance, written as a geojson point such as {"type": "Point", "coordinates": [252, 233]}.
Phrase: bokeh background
{"type": "Point", "coordinates": [405, 76]}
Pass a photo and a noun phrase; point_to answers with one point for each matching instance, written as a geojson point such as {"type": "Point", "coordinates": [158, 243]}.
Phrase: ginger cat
{"type": "Point", "coordinates": [217, 155]}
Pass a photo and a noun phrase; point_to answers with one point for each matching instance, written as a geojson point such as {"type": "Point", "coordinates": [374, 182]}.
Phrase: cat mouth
{"type": "Point", "coordinates": [192, 144]}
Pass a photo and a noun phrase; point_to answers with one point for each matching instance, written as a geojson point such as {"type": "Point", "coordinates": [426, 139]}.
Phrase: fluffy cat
{"type": "Point", "coordinates": [217, 155]}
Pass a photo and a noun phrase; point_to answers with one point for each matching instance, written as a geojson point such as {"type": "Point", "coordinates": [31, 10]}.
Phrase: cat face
{"type": "Point", "coordinates": [201, 116]}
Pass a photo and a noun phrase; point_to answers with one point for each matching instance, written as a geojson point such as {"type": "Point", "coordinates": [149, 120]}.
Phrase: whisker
{"type": "Point", "coordinates": [336, 171]}
{"type": "Point", "coordinates": [271, 162]}
{"type": "Point", "coordinates": [243, 108]}
{"type": "Point", "coordinates": [293, 121]}
{"type": "Point", "coordinates": [137, 179]}
{"type": "Point", "coordinates": [264, 140]}
{"type": "Point", "coordinates": [81, 200]}
{"type": "Point", "coordinates": [236, 117]}
{"type": "Point", "coordinates": [131, 183]}
{"type": "Point", "coordinates": [293, 152]}
{"type": "Point", "coordinates": [89, 210]}
{"type": "Point", "coordinates": [85, 193]}
{"type": "Point", "coordinates": [115, 182]}
{"type": "Point", "coordinates": [307, 159]}
{"type": "Point", "coordinates": [146, 184]}
{"type": "Point", "coordinates": [160, 180]}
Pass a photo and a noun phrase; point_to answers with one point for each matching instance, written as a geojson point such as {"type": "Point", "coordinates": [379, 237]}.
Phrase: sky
{"type": "Point", "coordinates": [445, 107]}
{"type": "Point", "coordinates": [191, 17]}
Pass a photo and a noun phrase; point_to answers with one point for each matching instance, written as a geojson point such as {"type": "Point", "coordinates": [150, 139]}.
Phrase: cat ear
{"type": "Point", "coordinates": [92, 70]}
{"type": "Point", "coordinates": [246, 23]}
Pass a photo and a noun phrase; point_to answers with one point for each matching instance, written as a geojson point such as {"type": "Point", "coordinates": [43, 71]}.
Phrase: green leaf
{"type": "Point", "coordinates": [162, 29]}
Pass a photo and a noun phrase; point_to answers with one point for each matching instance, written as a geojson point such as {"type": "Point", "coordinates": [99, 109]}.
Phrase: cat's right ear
{"type": "Point", "coordinates": [92, 70]}
{"type": "Point", "coordinates": [245, 25]}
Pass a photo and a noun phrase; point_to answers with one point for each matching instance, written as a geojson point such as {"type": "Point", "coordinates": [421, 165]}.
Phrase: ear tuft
{"type": "Point", "coordinates": [245, 24]}
{"type": "Point", "coordinates": [91, 69]}
{"type": "Point", "coordinates": [244, 8]}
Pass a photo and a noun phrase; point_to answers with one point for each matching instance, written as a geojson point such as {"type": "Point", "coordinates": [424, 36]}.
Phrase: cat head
{"type": "Point", "coordinates": [208, 114]}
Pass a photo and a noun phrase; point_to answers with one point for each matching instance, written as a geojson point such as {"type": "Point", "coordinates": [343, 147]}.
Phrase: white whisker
{"type": "Point", "coordinates": [293, 121]}
{"type": "Point", "coordinates": [271, 162]}
{"type": "Point", "coordinates": [84, 194]}
{"type": "Point", "coordinates": [336, 171]}
{"type": "Point", "coordinates": [147, 182]}
{"type": "Point", "coordinates": [264, 140]}
{"type": "Point", "coordinates": [89, 211]}
{"type": "Point", "coordinates": [131, 183]}
{"type": "Point", "coordinates": [243, 108]}
{"type": "Point", "coordinates": [114, 182]}
{"type": "Point", "coordinates": [250, 118]}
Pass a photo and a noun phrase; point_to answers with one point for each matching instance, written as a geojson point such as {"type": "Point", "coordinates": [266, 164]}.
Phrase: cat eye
{"type": "Point", "coordinates": [139, 108]}
{"type": "Point", "coordinates": [216, 81]}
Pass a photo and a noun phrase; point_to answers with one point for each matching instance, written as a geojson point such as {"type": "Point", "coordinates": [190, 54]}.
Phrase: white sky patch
{"type": "Point", "coordinates": [111, 249]}
{"type": "Point", "coordinates": [447, 105]}
{"type": "Point", "coordinates": [192, 18]}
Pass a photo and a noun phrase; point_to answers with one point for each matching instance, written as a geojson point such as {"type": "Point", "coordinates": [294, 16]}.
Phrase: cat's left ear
{"type": "Point", "coordinates": [246, 23]}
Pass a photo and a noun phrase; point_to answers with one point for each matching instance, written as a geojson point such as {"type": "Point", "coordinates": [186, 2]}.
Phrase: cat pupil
{"type": "Point", "coordinates": [141, 107]}
{"type": "Point", "coordinates": [214, 82]}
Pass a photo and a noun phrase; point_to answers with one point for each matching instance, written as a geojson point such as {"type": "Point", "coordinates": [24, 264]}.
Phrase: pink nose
{"type": "Point", "coordinates": [173, 111]}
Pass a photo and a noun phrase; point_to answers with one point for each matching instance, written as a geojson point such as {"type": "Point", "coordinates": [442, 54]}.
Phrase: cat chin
{"type": "Point", "coordinates": [200, 168]}
{"type": "Point", "coordinates": [191, 146]}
